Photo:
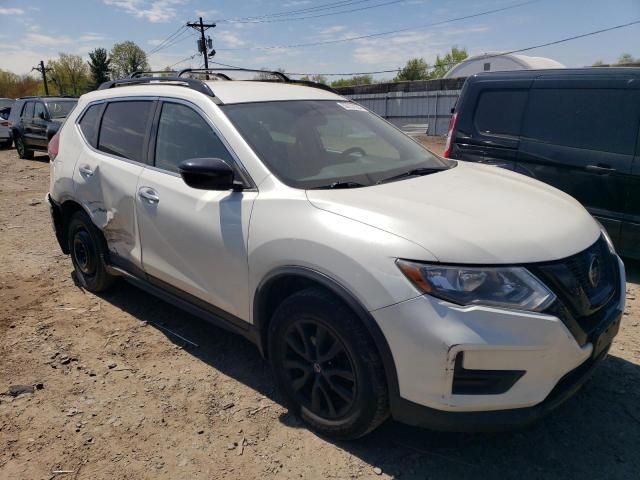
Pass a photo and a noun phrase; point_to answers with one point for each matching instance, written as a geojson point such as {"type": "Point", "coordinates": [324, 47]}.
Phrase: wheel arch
{"type": "Point", "coordinates": [62, 213]}
{"type": "Point", "coordinates": [285, 281]}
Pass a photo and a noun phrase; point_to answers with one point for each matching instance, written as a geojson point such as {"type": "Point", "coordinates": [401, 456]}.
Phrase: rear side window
{"type": "Point", "coordinates": [123, 129]}
{"type": "Point", "coordinates": [27, 111]}
{"type": "Point", "coordinates": [183, 134]}
{"type": "Point", "coordinates": [593, 119]}
{"type": "Point", "coordinates": [89, 124]}
{"type": "Point", "coordinates": [39, 111]}
{"type": "Point", "coordinates": [499, 112]}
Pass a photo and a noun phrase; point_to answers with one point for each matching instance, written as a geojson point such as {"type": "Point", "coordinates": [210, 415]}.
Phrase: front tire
{"type": "Point", "coordinates": [327, 366]}
{"type": "Point", "coordinates": [88, 253]}
{"type": "Point", "coordinates": [23, 152]}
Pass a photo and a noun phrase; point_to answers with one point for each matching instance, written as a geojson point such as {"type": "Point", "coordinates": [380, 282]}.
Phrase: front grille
{"type": "Point", "coordinates": [583, 305]}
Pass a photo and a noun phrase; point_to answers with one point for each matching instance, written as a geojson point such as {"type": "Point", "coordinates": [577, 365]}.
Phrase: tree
{"type": "Point", "coordinates": [100, 66]}
{"type": "Point", "coordinates": [626, 58]}
{"type": "Point", "coordinates": [415, 69]}
{"type": "Point", "coordinates": [315, 78]}
{"type": "Point", "coordinates": [126, 58]}
{"type": "Point", "coordinates": [70, 74]}
{"type": "Point", "coordinates": [442, 65]}
{"type": "Point", "coordinates": [598, 63]}
{"type": "Point", "coordinates": [14, 86]}
{"type": "Point", "coordinates": [355, 80]}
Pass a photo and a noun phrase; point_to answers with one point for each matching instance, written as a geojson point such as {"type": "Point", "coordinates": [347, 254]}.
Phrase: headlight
{"type": "Point", "coordinates": [507, 287]}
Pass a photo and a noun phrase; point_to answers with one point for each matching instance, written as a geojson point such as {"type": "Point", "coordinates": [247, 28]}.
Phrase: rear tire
{"type": "Point", "coordinates": [23, 152]}
{"type": "Point", "coordinates": [88, 253]}
{"type": "Point", "coordinates": [327, 366]}
{"type": "Point", "coordinates": [7, 144]}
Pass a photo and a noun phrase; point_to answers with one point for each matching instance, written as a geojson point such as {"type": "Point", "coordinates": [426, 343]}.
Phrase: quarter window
{"type": "Point", "coordinates": [595, 119]}
{"type": "Point", "coordinates": [123, 129]}
{"type": "Point", "coordinates": [89, 124]}
{"type": "Point", "coordinates": [183, 134]}
{"type": "Point", "coordinates": [499, 112]}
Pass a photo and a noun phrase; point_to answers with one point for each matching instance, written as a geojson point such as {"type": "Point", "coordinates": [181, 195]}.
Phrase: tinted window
{"type": "Point", "coordinates": [123, 129]}
{"type": "Point", "coordinates": [184, 134]}
{"type": "Point", "coordinates": [27, 111]}
{"type": "Point", "coordinates": [39, 111]}
{"type": "Point", "coordinates": [60, 108]}
{"type": "Point", "coordinates": [594, 119]}
{"type": "Point", "coordinates": [89, 124]}
{"type": "Point", "coordinates": [499, 112]}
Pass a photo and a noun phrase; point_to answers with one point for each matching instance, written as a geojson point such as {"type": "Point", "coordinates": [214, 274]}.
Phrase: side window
{"type": "Point", "coordinates": [89, 124]}
{"type": "Point", "coordinates": [184, 134]}
{"type": "Point", "coordinates": [27, 111]}
{"type": "Point", "coordinates": [123, 129]}
{"type": "Point", "coordinates": [39, 111]}
{"type": "Point", "coordinates": [594, 119]}
{"type": "Point", "coordinates": [499, 112]}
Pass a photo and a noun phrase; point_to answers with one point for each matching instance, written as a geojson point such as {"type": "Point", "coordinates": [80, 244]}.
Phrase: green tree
{"type": "Point", "coordinates": [355, 80]}
{"type": "Point", "coordinates": [315, 78]}
{"type": "Point", "coordinates": [126, 58]}
{"type": "Point", "coordinates": [442, 65]}
{"type": "Point", "coordinates": [415, 69]}
{"type": "Point", "coordinates": [598, 63]}
{"type": "Point", "coordinates": [100, 66]}
{"type": "Point", "coordinates": [70, 74]}
{"type": "Point", "coordinates": [626, 58]}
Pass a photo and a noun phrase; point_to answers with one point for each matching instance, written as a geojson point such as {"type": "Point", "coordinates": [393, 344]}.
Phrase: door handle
{"type": "Point", "coordinates": [602, 169]}
{"type": "Point", "coordinates": [149, 194]}
{"type": "Point", "coordinates": [85, 170]}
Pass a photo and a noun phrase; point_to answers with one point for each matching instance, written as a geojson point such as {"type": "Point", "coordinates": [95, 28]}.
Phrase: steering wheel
{"type": "Point", "coordinates": [351, 151]}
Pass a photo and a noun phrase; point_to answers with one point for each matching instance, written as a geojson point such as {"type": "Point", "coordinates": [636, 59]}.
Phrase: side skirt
{"type": "Point", "coordinates": [190, 304]}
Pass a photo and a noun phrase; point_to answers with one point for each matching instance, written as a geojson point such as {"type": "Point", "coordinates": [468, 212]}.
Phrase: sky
{"type": "Point", "coordinates": [34, 30]}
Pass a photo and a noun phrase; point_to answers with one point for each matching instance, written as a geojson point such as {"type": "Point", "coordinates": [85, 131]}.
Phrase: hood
{"type": "Point", "coordinates": [471, 214]}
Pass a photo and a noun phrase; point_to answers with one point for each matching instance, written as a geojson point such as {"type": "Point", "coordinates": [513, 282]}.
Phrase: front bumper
{"type": "Point", "coordinates": [426, 336]}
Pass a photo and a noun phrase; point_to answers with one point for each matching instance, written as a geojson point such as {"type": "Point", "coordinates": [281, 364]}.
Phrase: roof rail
{"type": "Point", "coordinates": [141, 73]}
{"type": "Point", "coordinates": [212, 71]}
{"type": "Point", "coordinates": [191, 83]}
{"type": "Point", "coordinates": [46, 96]}
{"type": "Point", "coordinates": [279, 75]}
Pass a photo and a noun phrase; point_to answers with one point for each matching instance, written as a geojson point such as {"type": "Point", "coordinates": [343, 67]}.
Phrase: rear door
{"type": "Point", "coordinates": [490, 120]}
{"type": "Point", "coordinates": [630, 243]}
{"type": "Point", "coordinates": [193, 240]}
{"type": "Point", "coordinates": [579, 136]}
{"type": "Point", "coordinates": [39, 125]}
{"type": "Point", "coordinates": [108, 168]}
{"type": "Point", "coordinates": [26, 120]}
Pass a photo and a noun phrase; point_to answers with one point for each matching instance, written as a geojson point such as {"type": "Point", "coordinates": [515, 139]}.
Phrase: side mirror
{"type": "Point", "coordinates": [208, 174]}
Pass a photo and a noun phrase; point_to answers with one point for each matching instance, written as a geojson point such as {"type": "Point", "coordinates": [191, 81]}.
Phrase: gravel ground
{"type": "Point", "coordinates": [120, 397]}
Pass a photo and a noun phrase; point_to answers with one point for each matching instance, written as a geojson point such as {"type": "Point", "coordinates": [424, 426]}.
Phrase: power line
{"type": "Point", "coordinates": [162, 44]}
{"type": "Point", "coordinates": [390, 32]}
{"type": "Point", "coordinates": [519, 50]}
{"type": "Point", "coordinates": [291, 19]}
{"type": "Point", "coordinates": [184, 60]}
{"type": "Point", "coordinates": [326, 6]}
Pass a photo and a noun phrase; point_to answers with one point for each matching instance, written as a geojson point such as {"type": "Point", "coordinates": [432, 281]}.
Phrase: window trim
{"type": "Point", "coordinates": [105, 102]}
{"type": "Point", "coordinates": [237, 166]}
{"type": "Point", "coordinates": [502, 136]}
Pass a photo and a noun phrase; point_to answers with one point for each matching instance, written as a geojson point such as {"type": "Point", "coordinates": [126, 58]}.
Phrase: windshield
{"type": "Point", "coordinates": [6, 102]}
{"type": "Point", "coordinates": [60, 108]}
{"type": "Point", "coordinates": [320, 144]}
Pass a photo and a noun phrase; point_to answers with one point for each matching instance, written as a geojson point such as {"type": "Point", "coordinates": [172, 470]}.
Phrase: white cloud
{"type": "Point", "coordinates": [41, 40]}
{"type": "Point", "coordinates": [230, 40]}
{"type": "Point", "coordinates": [333, 30]}
{"type": "Point", "coordinates": [11, 11]}
{"type": "Point", "coordinates": [155, 11]}
{"type": "Point", "coordinates": [207, 14]}
{"type": "Point", "coordinates": [91, 37]}
{"type": "Point", "coordinates": [296, 3]}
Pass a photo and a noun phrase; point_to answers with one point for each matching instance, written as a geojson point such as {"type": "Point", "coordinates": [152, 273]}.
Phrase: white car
{"type": "Point", "coordinates": [377, 278]}
{"type": "Point", "coordinates": [5, 127]}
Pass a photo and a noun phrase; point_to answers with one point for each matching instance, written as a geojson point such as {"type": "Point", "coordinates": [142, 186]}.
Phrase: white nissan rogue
{"type": "Point", "coordinates": [377, 278]}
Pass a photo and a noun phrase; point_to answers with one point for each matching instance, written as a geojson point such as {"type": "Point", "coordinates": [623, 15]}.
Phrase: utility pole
{"type": "Point", "coordinates": [43, 71]}
{"type": "Point", "coordinates": [202, 43]}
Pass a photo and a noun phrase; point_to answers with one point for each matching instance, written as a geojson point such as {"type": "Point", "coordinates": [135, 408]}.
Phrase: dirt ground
{"type": "Point", "coordinates": [121, 398]}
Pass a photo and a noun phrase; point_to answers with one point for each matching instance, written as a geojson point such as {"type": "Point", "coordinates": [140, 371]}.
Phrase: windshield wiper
{"type": "Point", "coordinates": [336, 185]}
{"type": "Point", "coordinates": [415, 172]}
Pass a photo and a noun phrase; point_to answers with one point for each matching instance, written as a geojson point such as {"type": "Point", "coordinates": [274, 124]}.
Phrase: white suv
{"type": "Point", "coordinates": [378, 278]}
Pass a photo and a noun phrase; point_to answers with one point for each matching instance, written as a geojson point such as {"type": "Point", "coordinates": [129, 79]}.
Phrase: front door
{"type": "Point", "coordinates": [193, 240]}
{"type": "Point", "coordinates": [39, 125]}
{"type": "Point", "coordinates": [579, 136]}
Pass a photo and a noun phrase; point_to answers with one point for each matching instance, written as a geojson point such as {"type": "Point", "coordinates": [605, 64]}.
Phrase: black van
{"type": "Point", "coordinates": [575, 129]}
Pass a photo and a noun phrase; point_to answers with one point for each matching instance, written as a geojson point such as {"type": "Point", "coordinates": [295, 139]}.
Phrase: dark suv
{"type": "Point", "coordinates": [575, 129]}
{"type": "Point", "coordinates": [34, 120]}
